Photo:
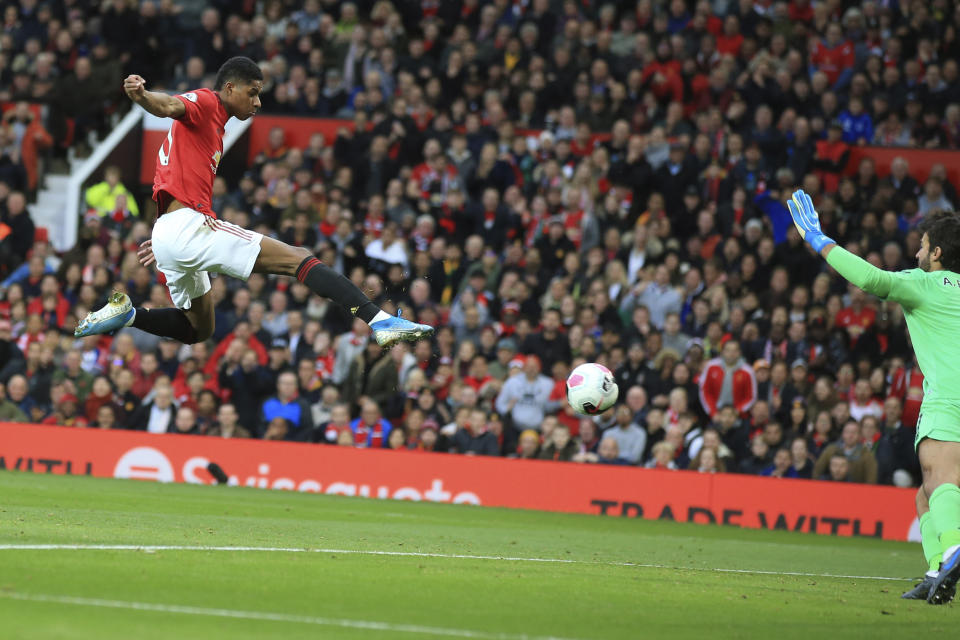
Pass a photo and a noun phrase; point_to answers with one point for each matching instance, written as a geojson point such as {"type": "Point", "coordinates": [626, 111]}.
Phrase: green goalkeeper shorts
{"type": "Point", "coordinates": [938, 421]}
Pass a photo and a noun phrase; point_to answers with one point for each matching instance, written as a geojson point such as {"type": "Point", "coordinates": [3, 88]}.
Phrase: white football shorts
{"type": "Point", "coordinates": [188, 245]}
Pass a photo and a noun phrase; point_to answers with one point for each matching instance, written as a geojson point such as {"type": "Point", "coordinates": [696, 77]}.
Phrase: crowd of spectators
{"type": "Point", "coordinates": [547, 182]}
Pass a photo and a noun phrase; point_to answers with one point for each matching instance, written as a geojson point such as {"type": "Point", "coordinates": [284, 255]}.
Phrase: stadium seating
{"type": "Point", "coordinates": [575, 181]}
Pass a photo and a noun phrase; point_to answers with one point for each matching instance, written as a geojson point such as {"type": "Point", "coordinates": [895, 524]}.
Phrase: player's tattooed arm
{"type": "Point", "coordinates": [159, 104]}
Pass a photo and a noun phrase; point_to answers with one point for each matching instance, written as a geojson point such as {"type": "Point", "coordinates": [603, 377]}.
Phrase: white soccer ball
{"type": "Point", "coordinates": [591, 389]}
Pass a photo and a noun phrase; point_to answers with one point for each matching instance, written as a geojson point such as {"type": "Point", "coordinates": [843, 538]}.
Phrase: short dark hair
{"type": "Point", "coordinates": [943, 230]}
{"type": "Point", "coordinates": [238, 70]}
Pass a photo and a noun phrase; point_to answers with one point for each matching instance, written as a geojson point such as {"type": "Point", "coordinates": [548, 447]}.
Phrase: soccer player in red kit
{"type": "Point", "coordinates": [188, 240]}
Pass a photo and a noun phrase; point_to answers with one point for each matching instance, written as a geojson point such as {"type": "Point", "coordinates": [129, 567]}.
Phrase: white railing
{"type": "Point", "coordinates": [64, 236]}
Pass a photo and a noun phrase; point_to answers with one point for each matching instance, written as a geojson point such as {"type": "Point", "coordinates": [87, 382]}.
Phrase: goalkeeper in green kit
{"type": "Point", "coordinates": [930, 297]}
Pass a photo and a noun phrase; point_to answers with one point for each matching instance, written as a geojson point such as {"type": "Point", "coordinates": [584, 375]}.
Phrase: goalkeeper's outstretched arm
{"type": "Point", "coordinates": [858, 271]}
{"type": "Point", "coordinates": [883, 284]}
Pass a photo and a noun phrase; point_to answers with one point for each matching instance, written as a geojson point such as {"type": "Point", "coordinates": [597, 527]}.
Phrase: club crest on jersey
{"type": "Point", "coordinates": [216, 161]}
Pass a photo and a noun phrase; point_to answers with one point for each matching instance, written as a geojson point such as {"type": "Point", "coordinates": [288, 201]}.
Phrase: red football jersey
{"type": "Point", "coordinates": [188, 159]}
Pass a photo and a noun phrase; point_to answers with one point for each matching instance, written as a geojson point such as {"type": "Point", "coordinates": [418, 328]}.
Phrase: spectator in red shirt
{"type": "Point", "coordinates": [50, 304]}
{"type": "Point", "coordinates": [857, 317]}
{"type": "Point", "coordinates": [240, 332]}
{"type": "Point", "coordinates": [730, 41]}
{"type": "Point", "coordinates": [834, 56]}
{"type": "Point", "coordinates": [101, 395]}
{"type": "Point", "coordinates": [800, 11]}
{"type": "Point", "coordinates": [728, 380]}
{"type": "Point", "coordinates": [65, 413]}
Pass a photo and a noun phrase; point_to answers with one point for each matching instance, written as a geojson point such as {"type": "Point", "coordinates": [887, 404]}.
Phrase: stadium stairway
{"type": "Point", "coordinates": [53, 195]}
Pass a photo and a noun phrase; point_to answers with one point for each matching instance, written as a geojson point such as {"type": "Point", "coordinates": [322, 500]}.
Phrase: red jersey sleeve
{"type": "Point", "coordinates": [199, 105]}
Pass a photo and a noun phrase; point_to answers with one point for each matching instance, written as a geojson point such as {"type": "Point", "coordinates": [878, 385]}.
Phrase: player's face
{"type": "Point", "coordinates": [923, 254]}
{"type": "Point", "coordinates": [243, 100]}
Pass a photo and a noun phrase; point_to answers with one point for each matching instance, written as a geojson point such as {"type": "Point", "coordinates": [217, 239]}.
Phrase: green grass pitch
{"type": "Point", "coordinates": [528, 574]}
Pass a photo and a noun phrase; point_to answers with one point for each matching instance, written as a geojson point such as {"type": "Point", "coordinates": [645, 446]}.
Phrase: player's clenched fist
{"type": "Point", "coordinates": [133, 86]}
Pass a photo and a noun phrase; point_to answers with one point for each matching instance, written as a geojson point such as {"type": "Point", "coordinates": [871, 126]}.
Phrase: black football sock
{"type": "Point", "coordinates": [328, 283]}
{"type": "Point", "coordinates": [166, 323]}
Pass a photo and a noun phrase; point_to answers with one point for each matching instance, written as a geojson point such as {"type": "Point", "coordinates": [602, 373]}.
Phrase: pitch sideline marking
{"type": "Point", "coordinates": [416, 554]}
{"type": "Point", "coordinates": [371, 625]}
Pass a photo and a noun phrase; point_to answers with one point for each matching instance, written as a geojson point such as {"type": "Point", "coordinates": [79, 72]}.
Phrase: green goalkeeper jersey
{"type": "Point", "coordinates": [931, 306]}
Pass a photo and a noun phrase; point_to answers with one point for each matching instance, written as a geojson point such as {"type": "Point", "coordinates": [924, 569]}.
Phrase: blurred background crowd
{"type": "Point", "coordinates": [548, 182]}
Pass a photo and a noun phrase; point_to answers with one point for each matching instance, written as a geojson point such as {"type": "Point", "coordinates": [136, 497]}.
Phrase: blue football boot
{"type": "Point", "coordinates": [390, 331]}
{"type": "Point", "coordinates": [112, 316]}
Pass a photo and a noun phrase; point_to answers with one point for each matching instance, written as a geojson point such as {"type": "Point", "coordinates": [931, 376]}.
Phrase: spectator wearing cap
{"type": "Point", "coordinates": [728, 380]}
{"type": "Point", "coordinates": [65, 412]}
{"type": "Point", "coordinates": [797, 386]}
{"type": "Point", "coordinates": [499, 369]}
{"type": "Point", "coordinates": [761, 371]}
{"type": "Point", "coordinates": [286, 404]}
{"type": "Point", "coordinates": [429, 438]}
{"type": "Point", "coordinates": [526, 397]}
{"type": "Point", "coordinates": [863, 464]}
{"type": "Point", "coordinates": [278, 357]}
{"type": "Point", "coordinates": [528, 447]}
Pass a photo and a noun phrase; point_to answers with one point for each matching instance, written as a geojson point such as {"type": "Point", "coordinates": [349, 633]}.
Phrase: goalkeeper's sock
{"type": "Point", "coordinates": [930, 541]}
{"type": "Point", "coordinates": [945, 513]}
{"type": "Point", "coordinates": [166, 323]}
{"type": "Point", "coordinates": [326, 282]}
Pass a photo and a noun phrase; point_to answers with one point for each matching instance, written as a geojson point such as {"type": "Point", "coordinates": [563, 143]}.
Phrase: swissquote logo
{"type": "Point", "coordinates": [144, 463]}
{"type": "Point", "coordinates": [148, 463]}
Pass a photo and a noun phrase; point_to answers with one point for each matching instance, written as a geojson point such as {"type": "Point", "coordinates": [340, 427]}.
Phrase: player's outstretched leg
{"type": "Point", "coordinates": [279, 258]}
{"type": "Point", "coordinates": [932, 553]}
{"type": "Point", "coordinates": [166, 322]}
